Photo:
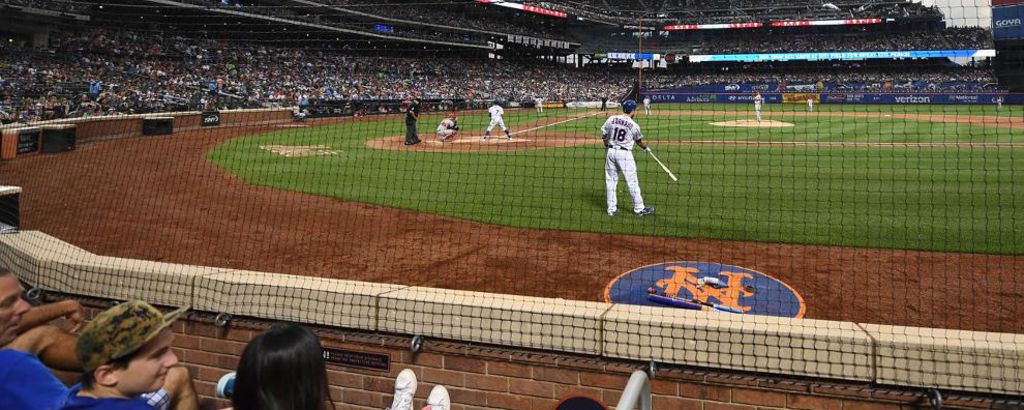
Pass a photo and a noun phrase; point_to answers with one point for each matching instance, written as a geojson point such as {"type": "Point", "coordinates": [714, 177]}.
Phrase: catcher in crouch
{"type": "Point", "coordinates": [448, 128]}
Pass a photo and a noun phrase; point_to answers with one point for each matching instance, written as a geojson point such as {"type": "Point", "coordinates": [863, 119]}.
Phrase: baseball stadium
{"type": "Point", "coordinates": [557, 204]}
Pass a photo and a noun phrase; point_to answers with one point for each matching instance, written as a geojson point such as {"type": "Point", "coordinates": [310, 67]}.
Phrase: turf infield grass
{"type": "Point", "coordinates": [942, 199]}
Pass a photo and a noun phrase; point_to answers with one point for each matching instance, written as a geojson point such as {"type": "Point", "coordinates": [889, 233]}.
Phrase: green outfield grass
{"type": "Point", "coordinates": [931, 198]}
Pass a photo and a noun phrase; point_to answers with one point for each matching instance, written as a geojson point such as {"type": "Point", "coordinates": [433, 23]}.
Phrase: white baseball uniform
{"type": "Point", "coordinates": [446, 129]}
{"type": "Point", "coordinates": [757, 106]}
{"type": "Point", "coordinates": [810, 104]}
{"type": "Point", "coordinates": [647, 105]}
{"type": "Point", "coordinates": [620, 133]}
{"type": "Point", "coordinates": [539, 102]}
{"type": "Point", "coordinates": [496, 120]}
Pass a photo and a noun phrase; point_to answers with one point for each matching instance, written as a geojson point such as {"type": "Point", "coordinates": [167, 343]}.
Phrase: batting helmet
{"type": "Point", "coordinates": [628, 106]}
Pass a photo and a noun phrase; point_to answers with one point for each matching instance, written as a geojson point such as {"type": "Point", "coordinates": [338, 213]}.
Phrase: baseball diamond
{"type": "Point", "coordinates": [818, 193]}
{"type": "Point", "coordinates": [769, 172]}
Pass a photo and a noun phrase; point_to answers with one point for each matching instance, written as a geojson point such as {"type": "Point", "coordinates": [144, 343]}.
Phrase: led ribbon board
{"type": "Point", "coordinates": [523, 7]}
{"type": "Point", "coordinates": [712, 26]}
{"type": "Point", "coordinates": [854, 55]}
{"type": "Point", "coordinates": [807, 23]}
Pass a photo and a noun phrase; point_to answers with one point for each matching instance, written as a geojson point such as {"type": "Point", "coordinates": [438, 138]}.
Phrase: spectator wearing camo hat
{"type": "Point", "coordinates": [125, 351]}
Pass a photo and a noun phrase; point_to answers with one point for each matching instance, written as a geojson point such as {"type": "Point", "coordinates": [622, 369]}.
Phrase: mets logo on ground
{"type": "Point", "coordinates": [706, 286]}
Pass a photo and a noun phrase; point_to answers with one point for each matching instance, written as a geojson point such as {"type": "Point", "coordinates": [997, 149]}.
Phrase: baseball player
{"type": "Point", "coordinates": [620, 132]}
{"type": "Point", "coordinates": [298, 114]}
{"type": "Point", "coordinates": [539, 103]}
{"type": "Point", "coordinates": [810, 104]}
{"type": "Point", "coordinates": [757, 105]}
{"type": "Point", "coordinates": [496, 112]}
{"type": "Point", "coordinates": [999, 103]}
{"type": "Point", "coordinates": [448, 128]}
{"type": "Point", "coordinates": [647, 105]}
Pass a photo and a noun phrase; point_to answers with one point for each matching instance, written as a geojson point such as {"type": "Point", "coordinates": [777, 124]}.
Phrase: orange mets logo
{"type": "Point", "coordinates": [706, 286]}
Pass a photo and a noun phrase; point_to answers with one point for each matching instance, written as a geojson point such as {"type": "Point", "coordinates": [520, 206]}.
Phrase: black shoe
{"type": "Point", "coordinates": [413, 143]}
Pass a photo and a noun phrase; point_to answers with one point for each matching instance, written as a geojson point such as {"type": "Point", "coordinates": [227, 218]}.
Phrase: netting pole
{"type": "Point", "coordinates": [640, 54]}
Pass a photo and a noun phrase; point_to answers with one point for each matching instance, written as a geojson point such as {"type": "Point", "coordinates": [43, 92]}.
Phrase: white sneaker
{"type": "Point", "coordinates": [405, 390]}
{"type": "Point", "coordinates": [438, 399]}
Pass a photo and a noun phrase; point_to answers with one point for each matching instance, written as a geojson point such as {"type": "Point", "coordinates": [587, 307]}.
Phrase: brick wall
{"type": "Point", "coordinates": [488, 377]}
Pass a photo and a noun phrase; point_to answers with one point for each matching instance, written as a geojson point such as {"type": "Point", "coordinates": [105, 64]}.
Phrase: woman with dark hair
{"type": "Point", "coordinates": [282, 369]}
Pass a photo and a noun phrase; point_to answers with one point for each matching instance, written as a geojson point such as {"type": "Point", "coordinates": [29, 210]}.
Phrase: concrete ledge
{"type": "Point", "coordinates": [556, 324]}
{"type": "Point", "coordinates": [312, 300]}
{"type": "Point", "coordinates": [925, 357]}
{"type": "Point", "coordinates": [765, 344]}
{"type": "Point", "coordinates": [159, 283]}
{"type": "Point", "coordinates": [30, 254]}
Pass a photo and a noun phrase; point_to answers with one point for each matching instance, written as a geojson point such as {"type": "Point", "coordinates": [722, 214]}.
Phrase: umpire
{"type": "Point", "coordinates": [412, 114]}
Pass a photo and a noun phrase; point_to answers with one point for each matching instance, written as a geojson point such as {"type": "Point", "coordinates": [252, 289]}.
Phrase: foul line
{"type": "Point", "coordinates": [556, 123]}
{"type": "Point", "coordinates": [852, 144]}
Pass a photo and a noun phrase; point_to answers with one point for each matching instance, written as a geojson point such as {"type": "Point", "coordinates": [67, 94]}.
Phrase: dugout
{"type": "Point", "coordinates": [58, 138]}
{"type": "Point", "coordinates": [158, 126]}
{"type": "Point", "coordinates": [10, 214]}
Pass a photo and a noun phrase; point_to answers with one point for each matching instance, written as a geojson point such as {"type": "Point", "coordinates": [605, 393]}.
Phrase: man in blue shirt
{"type": "Point", "coordinates": [25, 344]}
{"type": "Point", "coordinates": [23, 378]}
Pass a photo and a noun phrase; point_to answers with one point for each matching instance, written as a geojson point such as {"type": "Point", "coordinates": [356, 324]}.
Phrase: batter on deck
{"type": "Point", "coordinates": [620, 133]}
{"type": "Point", "coordinates": [496, 113]}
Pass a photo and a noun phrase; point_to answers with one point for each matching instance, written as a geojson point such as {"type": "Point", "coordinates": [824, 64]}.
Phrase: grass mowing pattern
{"type": "Point", "coordinates": [930, 198]}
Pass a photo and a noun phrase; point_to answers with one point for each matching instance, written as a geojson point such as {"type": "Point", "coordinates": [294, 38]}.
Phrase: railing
{"type": "Point", "coordinates": [637, 391]}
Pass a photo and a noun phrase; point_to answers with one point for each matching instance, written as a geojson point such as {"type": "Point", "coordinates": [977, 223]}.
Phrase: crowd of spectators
{"type": "Point", "coordinates": [844, 77]}
{"type": "Point", "coordinates": [744, 41]}
{"type": "Point", "coordinates": [664, 12]}
{"type": "Point", "coordinates": [119, 72]}
{"type": "Point", "coordinates": [731, 11]}
{"type": "Point", "coordinates": [107, 72]}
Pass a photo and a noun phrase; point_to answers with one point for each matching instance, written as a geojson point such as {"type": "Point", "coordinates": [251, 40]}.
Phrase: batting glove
{"type": "Point", "coordinates": [647, 150]}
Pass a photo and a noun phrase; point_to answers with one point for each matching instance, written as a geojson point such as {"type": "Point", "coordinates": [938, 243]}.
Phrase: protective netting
{"type": "Point", "coordinates": [852, 164]}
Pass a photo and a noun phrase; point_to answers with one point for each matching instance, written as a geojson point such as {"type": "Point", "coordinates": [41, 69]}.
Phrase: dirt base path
{"type": "Point", "coordinates": [159, 198]}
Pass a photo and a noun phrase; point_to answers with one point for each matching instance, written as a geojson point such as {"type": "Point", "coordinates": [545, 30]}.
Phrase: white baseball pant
{"type": "Point", "coordinates": [619, 160]}
{"type": "Point", "coordinates": [499, 122]}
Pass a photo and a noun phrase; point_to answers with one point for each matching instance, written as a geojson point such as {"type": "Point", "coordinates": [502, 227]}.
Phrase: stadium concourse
{"type": "Point", "coordinates": [823, 207]}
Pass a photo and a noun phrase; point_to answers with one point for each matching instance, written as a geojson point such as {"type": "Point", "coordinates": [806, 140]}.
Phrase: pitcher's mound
{"type": "Point", "coordinates": [753, 123]}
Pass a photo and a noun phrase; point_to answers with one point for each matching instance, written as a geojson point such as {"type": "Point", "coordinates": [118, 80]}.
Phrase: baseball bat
{"type": "Point", "coordinates": [670, 174]}
{"type": "Point", "coordinates": [719, 307]}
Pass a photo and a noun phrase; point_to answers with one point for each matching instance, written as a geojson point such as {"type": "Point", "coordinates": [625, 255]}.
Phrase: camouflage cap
{"type": "Point", "coordinates": [120, 331]}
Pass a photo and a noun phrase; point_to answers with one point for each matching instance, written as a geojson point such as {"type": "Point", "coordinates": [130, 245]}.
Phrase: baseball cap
{"type": "Point", "coordinates": [120, 331]}
{"type": "Point", "coordinates": [628, 106]}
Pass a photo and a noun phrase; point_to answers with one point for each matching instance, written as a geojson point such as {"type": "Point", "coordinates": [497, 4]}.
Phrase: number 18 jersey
{"type": "Point", "coordinates": [621, 131]}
